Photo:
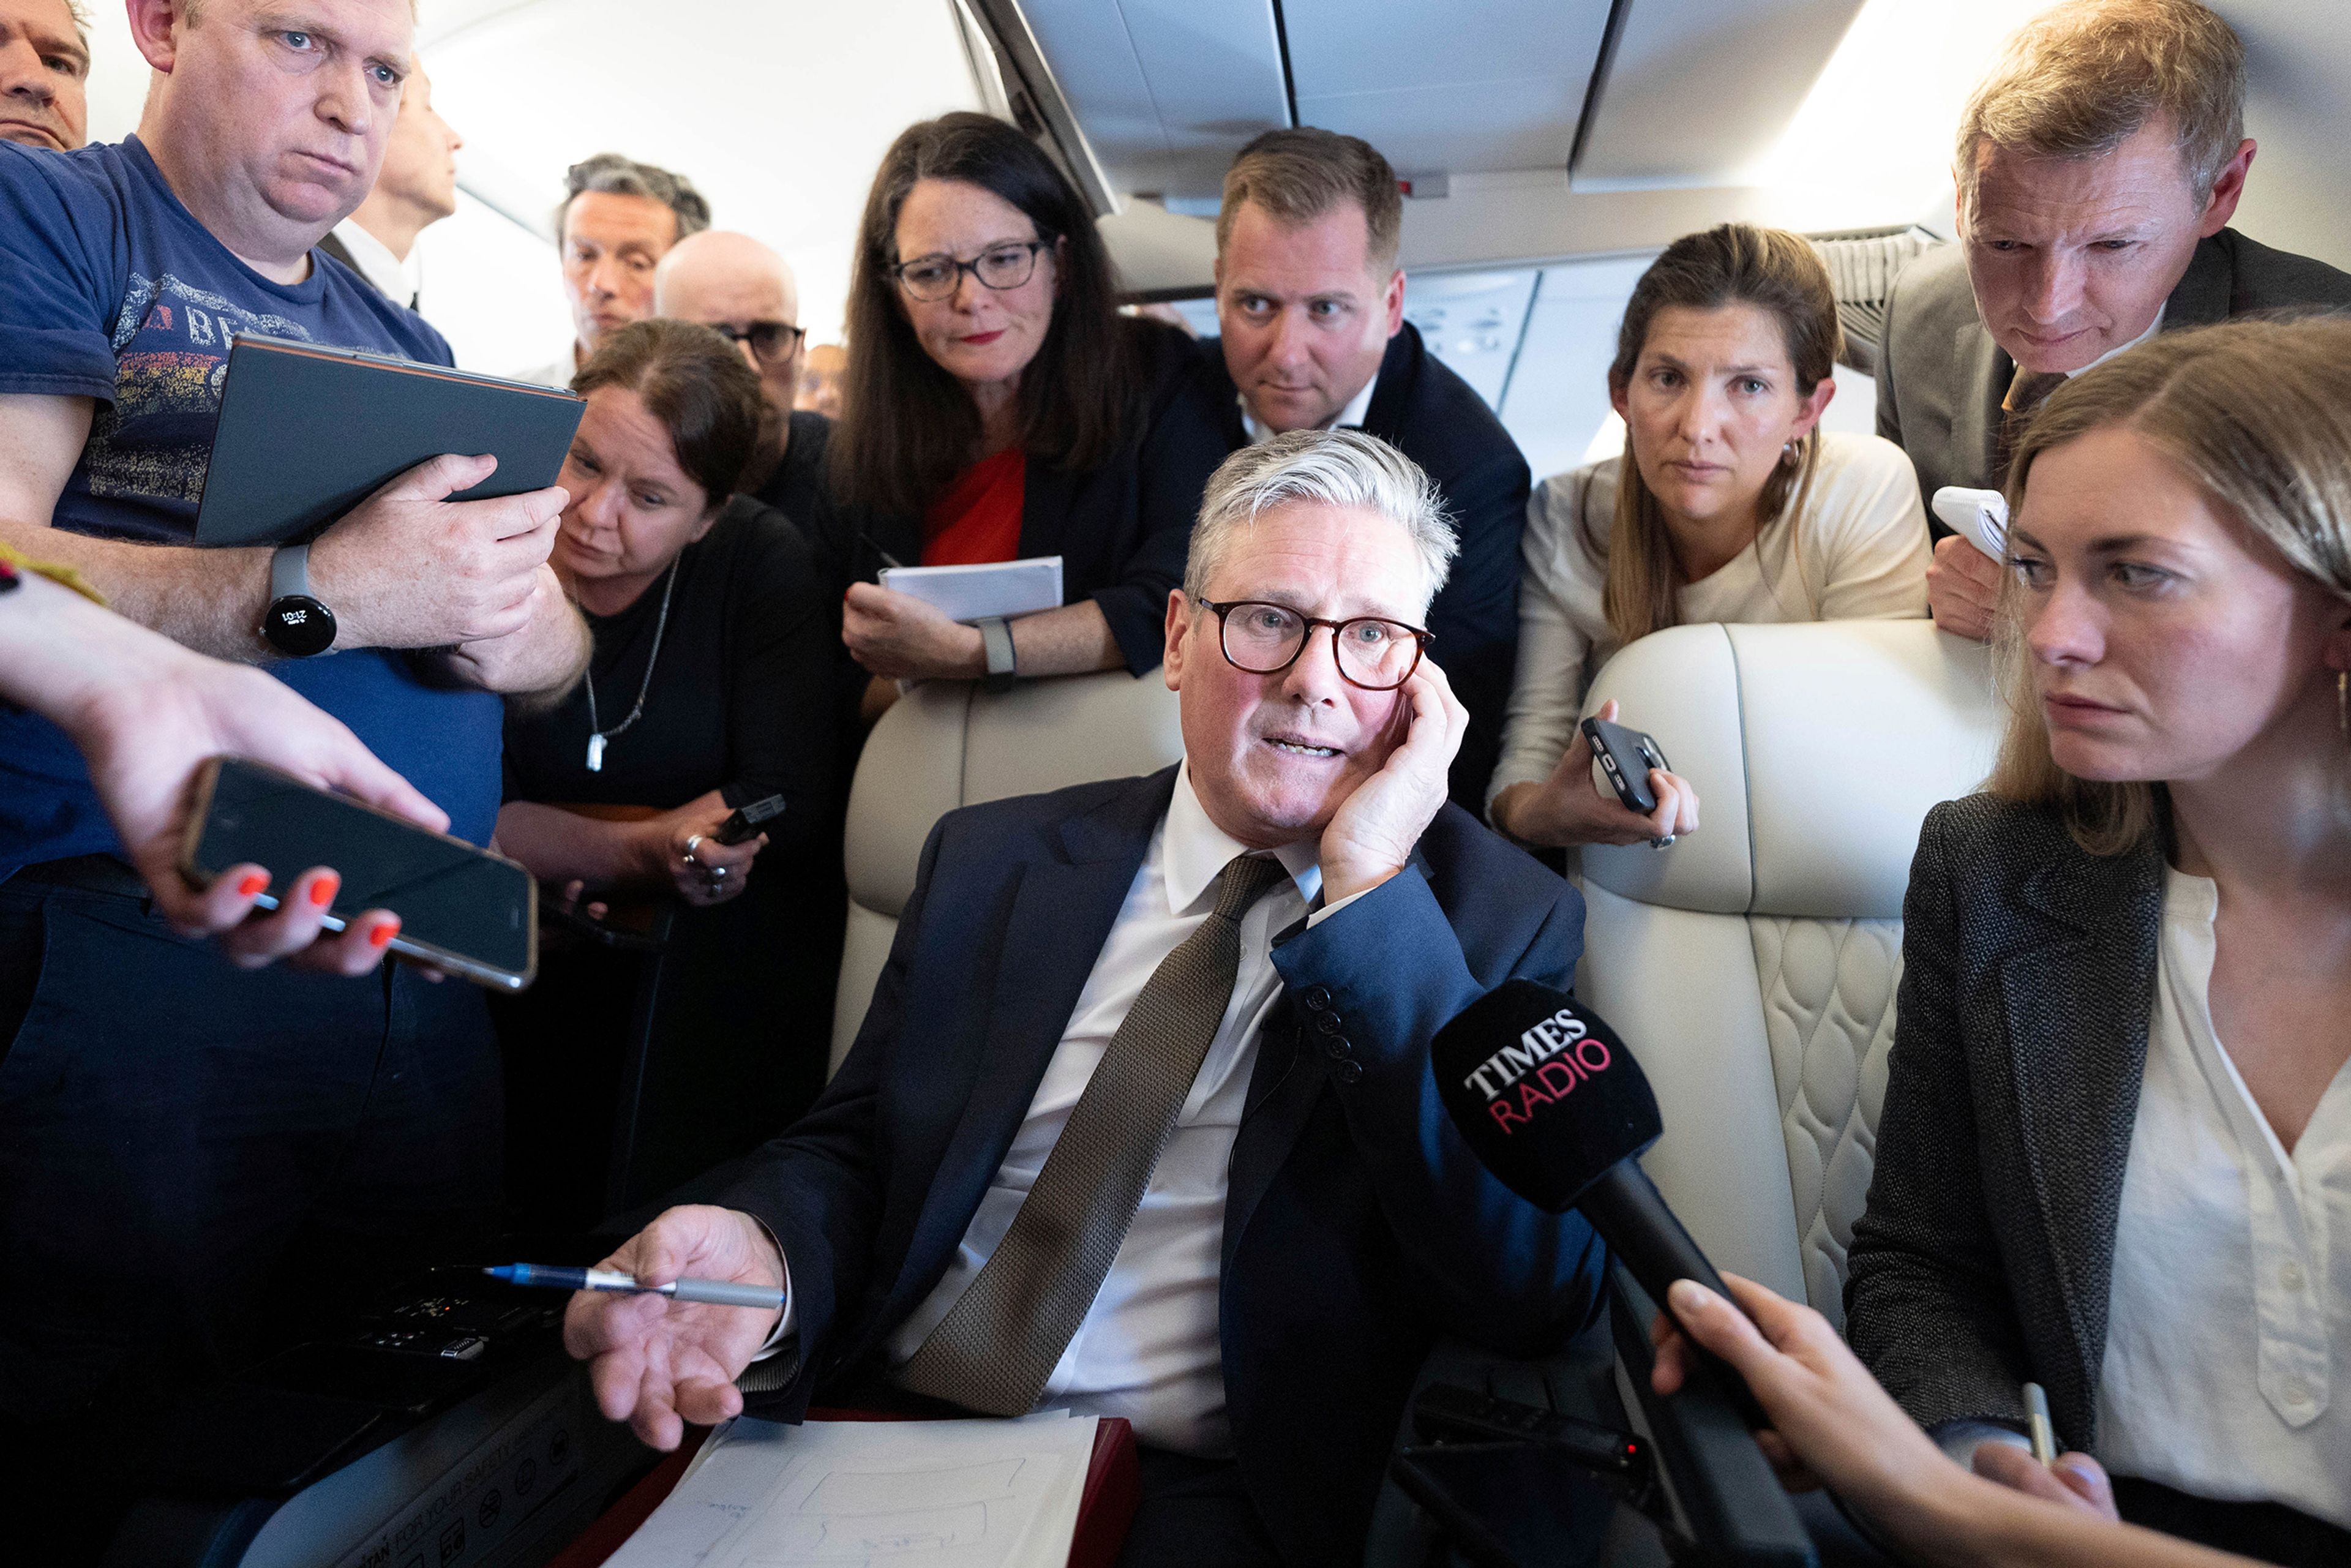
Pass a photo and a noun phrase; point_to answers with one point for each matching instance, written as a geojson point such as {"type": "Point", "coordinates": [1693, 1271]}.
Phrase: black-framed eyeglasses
{"type": "Point", "coordinates": [1000, 267]}
{"type": "Point", "coordinates": [1265, 639]}
{"type": "Point", "coordinates": [770, 343]}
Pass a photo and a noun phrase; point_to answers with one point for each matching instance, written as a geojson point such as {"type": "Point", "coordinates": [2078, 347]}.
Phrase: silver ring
{"type": "Point", "coordinates": [1661, 843]}
{"type": "Point", "coordinates": [692, 840]}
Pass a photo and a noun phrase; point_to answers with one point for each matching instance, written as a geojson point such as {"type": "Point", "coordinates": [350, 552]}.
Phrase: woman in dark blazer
{"type": "Point", "coordinates": [997, 407]}
{"type": "Point", "coordinates": [2118, 1122]}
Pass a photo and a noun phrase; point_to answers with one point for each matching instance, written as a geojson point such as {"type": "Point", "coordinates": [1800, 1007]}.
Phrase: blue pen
{"type": "Point", "coordinates": [714, 1293]}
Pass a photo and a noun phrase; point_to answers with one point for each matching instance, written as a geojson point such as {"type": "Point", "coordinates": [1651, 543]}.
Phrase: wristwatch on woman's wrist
{"type": "Point", "coordinates": [996, 639]}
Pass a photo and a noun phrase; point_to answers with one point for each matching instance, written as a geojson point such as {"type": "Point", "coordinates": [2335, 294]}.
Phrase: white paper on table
{"type": "Point", "coordinates": [968, 593]}
{"type": "Point", "coordinates": [834, 1494]}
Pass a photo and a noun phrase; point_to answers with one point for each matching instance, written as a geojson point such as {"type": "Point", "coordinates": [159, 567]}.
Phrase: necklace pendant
{"type": "Point", "coordinates": [595, 754]}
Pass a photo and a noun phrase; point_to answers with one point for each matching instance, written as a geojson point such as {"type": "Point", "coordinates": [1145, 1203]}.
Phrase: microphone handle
{"type": "Point", "coordinates": [1633, 1216]}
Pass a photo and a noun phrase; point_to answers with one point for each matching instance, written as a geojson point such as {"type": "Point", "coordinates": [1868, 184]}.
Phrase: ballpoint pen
{"type": "Point", "coordinates": [712, 1293]}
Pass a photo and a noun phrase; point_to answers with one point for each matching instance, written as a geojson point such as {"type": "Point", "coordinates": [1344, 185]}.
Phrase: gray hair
{"type": "Point", "coordinates": [1333, 468]}
{"type": "Point", "coordinates": [80, 17]}
{"type": "Point", "coordinates": [613, 176]}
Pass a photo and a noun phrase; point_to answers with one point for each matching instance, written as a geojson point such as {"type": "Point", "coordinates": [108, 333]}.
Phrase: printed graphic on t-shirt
{"type": "Point", "coordinates": [171, 351]}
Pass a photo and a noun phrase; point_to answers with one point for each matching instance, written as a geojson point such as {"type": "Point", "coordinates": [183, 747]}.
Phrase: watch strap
{"type": "Point", "coordinates": [995, 637]}
{"type": "Point", "coordinates": [289, 572]}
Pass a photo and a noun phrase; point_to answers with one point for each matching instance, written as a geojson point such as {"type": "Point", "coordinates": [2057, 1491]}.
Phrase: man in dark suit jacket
{"type": "Point", "coordinates": [1310, 303]}
{"type": "Point", "coordinates": [2082, 232]}
{"type": "Point", "coordinates": [1312, 1220]}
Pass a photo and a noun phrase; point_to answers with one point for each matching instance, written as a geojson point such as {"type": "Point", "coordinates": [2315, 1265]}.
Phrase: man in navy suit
{"type": "Point", "coordinates": [1310, 1222]}
{"type": "Point", "coordinates": [1310, 313]}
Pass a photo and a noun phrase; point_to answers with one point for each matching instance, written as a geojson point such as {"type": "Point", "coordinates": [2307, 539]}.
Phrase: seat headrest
{"type": "Point", "coordinates": [1815, 749]}
{"type": "Point", "coordinates": [948, 744]}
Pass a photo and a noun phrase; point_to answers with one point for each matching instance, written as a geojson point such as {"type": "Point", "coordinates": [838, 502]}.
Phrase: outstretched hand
{"type": "Point", "coordinates": [658, 1363]}
{"type": "Point", "coordinates": [147, 714]}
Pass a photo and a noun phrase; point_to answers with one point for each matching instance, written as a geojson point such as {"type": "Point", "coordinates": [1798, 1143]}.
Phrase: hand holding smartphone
{"type": "Point", "coordinates": [746, 820]}
{"type": "Point", "coordinates": [1628, 756]}
{"type": "Point", "coordinates": [461, 909]}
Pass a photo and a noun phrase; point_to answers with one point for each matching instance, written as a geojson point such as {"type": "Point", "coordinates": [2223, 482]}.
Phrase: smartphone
{"type": "Point", "coordinates": [746, 821]}
{"type": "Point", "coordinates": [1627, 756]}
{"type": "Point", "coordinates": [461, 909]}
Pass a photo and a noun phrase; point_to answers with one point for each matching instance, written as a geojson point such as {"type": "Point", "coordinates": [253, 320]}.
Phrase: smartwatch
{"type": "Point", "coordinates": [296, 623]}
{"type": "Point", "coordinates": [995, 637]}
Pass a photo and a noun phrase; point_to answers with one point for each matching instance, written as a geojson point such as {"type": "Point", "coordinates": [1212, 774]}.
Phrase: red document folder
{"type": "Point", "coordinates": [1105, 1510]}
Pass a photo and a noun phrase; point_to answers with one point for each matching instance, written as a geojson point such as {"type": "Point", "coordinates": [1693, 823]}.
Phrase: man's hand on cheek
{"type": "Point", "coordinates": [1373, 835]}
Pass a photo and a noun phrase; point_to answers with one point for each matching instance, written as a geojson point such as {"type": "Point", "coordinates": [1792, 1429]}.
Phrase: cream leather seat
{"type": "Point", "coordinates": [1751, 965]}
{"type": "Point", "coordinates": [948, 744]}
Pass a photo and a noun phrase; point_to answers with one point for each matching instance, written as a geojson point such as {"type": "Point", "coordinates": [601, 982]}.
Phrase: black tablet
{"type": "Point", "coordinates": [307, 432]}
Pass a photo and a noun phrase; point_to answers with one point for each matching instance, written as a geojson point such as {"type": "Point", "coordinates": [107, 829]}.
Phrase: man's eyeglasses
{"type": "Point", "coordinates": [1000, 267]}
{"type": "Point", "coordinates": [770, 343]}
{"type": "Point", "coordinates": [1265, 639]}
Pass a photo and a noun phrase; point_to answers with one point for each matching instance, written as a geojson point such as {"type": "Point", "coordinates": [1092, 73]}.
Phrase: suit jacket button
{"type": "Point", "coordinates": [1348, 1072]}
{"type": "Point", "coordinates": [1328, 1022]}
{"type": "Point", "coordinates": [1336, 1047]}
{"type": "Point", "coordinates": [1318, 997]}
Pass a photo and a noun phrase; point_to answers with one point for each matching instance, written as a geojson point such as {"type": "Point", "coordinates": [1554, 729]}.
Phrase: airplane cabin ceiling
{"type": "Point", "coordinates": [1166, 90]}
{"type": "Point", "coordinates": [1696, 88]}
{"type": "Point", "coordinates": [1473, 85]}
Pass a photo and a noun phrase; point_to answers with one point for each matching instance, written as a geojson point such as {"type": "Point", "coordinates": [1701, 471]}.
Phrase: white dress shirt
{"type": "Point", "coordinates": [2230, 1301]}
{"type": "Point", "coordinates": [1350, 417]}
{"type": "Point", "coordinates": [395, 279]}
{"type": "Point", "coordinates": [1858, 551]}
{"type": "Point", "coordinates": [2152, 329]}
{"type": "Point", "coordinates": [1149, 1348]}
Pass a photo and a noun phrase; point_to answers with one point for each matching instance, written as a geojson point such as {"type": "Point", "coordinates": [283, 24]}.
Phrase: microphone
{"type": "Point", "coordinates": [1553, 1105]}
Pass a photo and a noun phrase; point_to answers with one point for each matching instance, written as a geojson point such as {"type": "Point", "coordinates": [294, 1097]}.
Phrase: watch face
{"type": "Point", "coordinates": [298, 626]}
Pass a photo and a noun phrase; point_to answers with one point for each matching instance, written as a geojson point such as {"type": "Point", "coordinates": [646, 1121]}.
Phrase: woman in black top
{"type": "Point", "coordinates": [707, 691]}
{"type": "Point", "coordinates": [997, 407]}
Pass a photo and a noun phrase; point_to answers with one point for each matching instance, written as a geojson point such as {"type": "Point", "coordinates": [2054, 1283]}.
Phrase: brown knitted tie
{"type": "Point", "coordinates": [1001, 1342]}
{"type": "Point", "coordinates": [2026, 390]}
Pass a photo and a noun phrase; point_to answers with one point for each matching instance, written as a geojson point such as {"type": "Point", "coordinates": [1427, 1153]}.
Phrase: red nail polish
{"type": "Point", "coordinates": [381, 937]}
{"type": "Point", "coordinates": [322, 891]}
{"type": "Point", "coordinates": [252, 884]}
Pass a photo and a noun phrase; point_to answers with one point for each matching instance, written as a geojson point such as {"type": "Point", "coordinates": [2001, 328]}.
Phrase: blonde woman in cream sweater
{"type": "Point", "coordinates": [1741, 508]}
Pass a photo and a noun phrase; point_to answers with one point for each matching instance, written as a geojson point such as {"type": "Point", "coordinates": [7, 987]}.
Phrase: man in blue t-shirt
{"type": "Point", "coordinates": [170, 1129]}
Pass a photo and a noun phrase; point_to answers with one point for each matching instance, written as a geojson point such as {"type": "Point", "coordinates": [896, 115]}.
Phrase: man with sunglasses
{"type": "Point", "coordinates": [744, 290]}
{"type": "Point", "coordinates": [1140, 1122]}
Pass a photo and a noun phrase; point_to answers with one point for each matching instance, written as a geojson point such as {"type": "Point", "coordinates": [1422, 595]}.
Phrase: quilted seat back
{"type": "Point", "coordinates": [1752, 966]}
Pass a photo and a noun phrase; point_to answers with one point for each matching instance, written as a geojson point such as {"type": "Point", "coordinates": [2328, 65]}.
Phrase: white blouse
{"type": "Point", "coordinates": [1859, 552]}
{"type": "Point", "coordinates": [2229, 1300]}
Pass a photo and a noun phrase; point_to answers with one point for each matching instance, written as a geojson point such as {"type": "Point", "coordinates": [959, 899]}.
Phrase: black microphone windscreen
{"type": "Point", "coordinates": [1543, 1091]}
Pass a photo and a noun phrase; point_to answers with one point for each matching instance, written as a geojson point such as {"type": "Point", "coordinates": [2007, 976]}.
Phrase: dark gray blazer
{"type": "Point", "coordinates": [1941, 377]}
{"type": "Point", "coordinates": [1983, 1257]}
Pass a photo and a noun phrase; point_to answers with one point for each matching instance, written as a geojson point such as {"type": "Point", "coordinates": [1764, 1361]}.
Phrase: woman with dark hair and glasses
{"type": "Point", "coordinates": [709, 691]}
{"type": "Point", "coordinates": [999, 407]}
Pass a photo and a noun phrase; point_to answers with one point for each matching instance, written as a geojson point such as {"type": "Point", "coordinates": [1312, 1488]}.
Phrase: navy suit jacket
{"type": "Point", "coordinates": [1358, 1225]}
{"type": "Point", "coordinates": [1425, 411]}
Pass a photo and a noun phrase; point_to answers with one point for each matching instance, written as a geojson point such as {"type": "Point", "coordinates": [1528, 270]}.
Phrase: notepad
{"type": "Point", "coordinates": [968, 594]}
{"type": "Point", "coordinates": [945, 1494]}
{"type": "Point", "coordinates": [307, 432]}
